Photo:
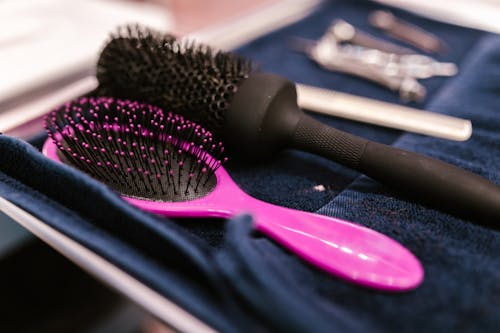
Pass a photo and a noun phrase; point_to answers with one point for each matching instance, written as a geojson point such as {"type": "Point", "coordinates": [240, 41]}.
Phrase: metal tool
{"type": "Point", "coordinates": [398, 72]}
{"type": "Point", "coordinates": [395, 71]}
{"type": "Point", "coordinates": [413, 65]}
{"type": "Point", "coordinates": [406, 32]}
{"type": "Point", "coordinates": [329, 54]}
{"type": "Point", "coordinates": [345, 32]}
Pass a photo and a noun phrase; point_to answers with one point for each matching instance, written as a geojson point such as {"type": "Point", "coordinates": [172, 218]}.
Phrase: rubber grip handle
{"type": "Point", "coordinates": [433, 182]}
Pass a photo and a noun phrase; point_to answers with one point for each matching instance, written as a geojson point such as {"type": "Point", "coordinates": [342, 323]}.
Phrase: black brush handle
{"type": "Point", "coordinates": [264, 118]}
{"type": "Point", "coordinates": [432, 181]}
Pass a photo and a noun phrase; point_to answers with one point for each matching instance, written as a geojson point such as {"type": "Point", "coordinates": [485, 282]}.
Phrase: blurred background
{"type": "Point", "coordinates": [48, 50]}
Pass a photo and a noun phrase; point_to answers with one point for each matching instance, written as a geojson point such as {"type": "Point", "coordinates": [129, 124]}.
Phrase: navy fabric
{"type": "Point", "coordinates": [149, 247]}
{"type": "Point", "coordinates": [237, 280]}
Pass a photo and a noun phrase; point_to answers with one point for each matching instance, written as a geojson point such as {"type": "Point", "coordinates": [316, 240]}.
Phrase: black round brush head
{"type": "Point", "coordinates": [254, 113]}
{"type": "Point", "coordinates": [184, 77]}
{"type": "Point", "coordinates": [137, 149]}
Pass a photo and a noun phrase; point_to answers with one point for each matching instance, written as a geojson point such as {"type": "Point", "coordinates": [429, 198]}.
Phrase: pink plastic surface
{"type": "Point", "coordinates": [346, 250]}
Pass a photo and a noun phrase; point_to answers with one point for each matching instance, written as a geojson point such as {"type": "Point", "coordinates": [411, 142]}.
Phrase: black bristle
{"type": "Point", "coordinates": [136, 149]}
{"type": "Point", "coordinates": [188, 78]}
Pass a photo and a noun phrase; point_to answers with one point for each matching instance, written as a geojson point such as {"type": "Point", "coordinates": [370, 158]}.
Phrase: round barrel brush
{"type": "Point", "coordinates": [256, 114]}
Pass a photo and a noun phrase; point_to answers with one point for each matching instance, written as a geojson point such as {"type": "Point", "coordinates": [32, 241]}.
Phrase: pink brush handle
{"type": "Point", "coordinates": [344, 249]}
{"type": "Point", "coordinates": [349, 251]}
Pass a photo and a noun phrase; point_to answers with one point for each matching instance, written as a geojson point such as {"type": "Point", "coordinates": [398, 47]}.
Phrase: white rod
{"type": "Point", "coordinates": [383, 114]}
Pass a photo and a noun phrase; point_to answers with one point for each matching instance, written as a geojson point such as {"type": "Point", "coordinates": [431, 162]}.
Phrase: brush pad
{"type": "Point", "coordinates": [136, 149]}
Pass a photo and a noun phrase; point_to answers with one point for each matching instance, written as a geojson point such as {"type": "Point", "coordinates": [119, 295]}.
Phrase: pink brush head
{"type": "Point", "coordinates": [137, 149]}
{"type": "Point", "coordinates": [165, 164]}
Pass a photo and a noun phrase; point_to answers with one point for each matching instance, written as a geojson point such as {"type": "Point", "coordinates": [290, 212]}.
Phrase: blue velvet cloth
{"type": "Point", "coordinates": [237, 280]}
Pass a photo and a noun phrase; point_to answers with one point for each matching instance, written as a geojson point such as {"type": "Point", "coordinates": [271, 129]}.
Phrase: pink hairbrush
{"type": "Point", "coordinates": [167, 165]}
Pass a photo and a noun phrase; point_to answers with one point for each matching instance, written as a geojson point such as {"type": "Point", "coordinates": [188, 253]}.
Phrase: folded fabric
{"type": "Point", "coordinates": [239, 281]}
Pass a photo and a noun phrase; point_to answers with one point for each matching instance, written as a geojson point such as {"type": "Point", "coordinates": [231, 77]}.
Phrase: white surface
{"type": "Point", "coordinates": [150, 300]}
{"type": "Point", "coordinates": [42, 41]}
{"type": "Point", "coordinates": [23, 113]}
{"type": "Point", "coordinates": [241, 30]}
{"type": "Point", "coordinates": [479, 14]}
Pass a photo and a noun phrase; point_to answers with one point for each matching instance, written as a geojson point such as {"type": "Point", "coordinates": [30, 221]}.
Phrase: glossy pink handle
{"type": "Point", "coordinates": [347, 250]}
{"type": "Point", "coordinates": [344, 249]}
